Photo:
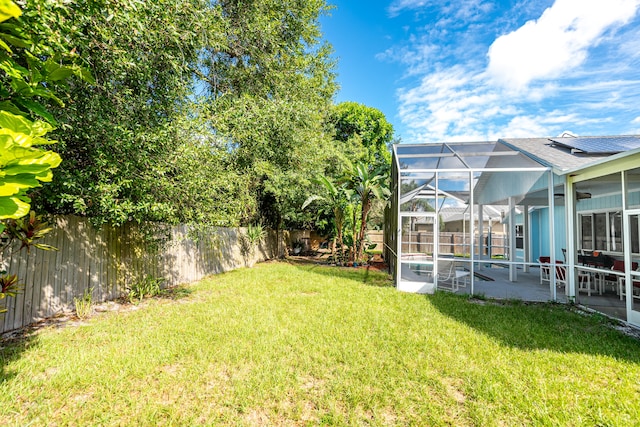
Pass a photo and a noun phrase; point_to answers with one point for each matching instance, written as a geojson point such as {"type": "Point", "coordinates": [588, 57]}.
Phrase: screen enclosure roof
{"type": "Point", "coordinates": [495, 170]}
{"type": "Point", "coordinates": [461, 156]}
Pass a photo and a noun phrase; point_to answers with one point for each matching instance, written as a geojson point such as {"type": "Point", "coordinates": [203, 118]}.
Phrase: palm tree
{"type": "Point", "coordinates": [367, 186]}
{"type": "Point", "coordinates": [335, 197]}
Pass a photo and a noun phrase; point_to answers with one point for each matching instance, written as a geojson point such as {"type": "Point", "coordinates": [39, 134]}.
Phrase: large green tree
{"type": "Point", "coordinates": [270, 87]}
{"type": "Point", "coordinates": [364, 132]}
{"type": "Point", "coordinates": [117, 140]}
{"type": "Point", "coordinates": [201, 111]}
{"type": "Point", "coordinates": [368, 185]}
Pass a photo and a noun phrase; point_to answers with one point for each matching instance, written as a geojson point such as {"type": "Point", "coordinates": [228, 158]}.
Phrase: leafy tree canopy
{"type": "Point", "coordinates": [29, 70]}
{"type": "Point", "coordinates": [365, 131]}
{"type": "Point", "coordinates": [270, 83]}
{"type": "Point", "coordinates": [201, 111]}
{"type": "Point", "coordinates": [129, 152]}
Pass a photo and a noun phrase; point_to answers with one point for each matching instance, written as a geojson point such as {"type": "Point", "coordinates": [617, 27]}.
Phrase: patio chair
{"type": "Point", "coordinates": [544, 269]}
{"type": "Point", "coordinates": [612, 279]}
{"type": "Point", "coordinates": [622, 288]}
{"type": "Point", "coordinates": [449, 274]}
{"type": "Point", "coordinates": [584, 279]}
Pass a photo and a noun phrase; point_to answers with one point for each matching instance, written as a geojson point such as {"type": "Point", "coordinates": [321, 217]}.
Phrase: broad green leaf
{"type": "Point", "coordinates": [40, 128]}
{"type": "Point", "coordinates": [15, 41]}
{"type": "Point", "coordinates": [25, 170]}
{"type": "Point", "coordinates": [9, 187]}
{"type": "Point", "coordinates": [12, 152]}
{"type": "Point", "coordinates": [38, 109]}
{"type": "Point", "coordinates": [85, 75]}
{"type": "Point", "coordinates": [13, 141]}
{"type": "Point", "coordinates": [5, 46]}
{"type": "Point", "coordinates": [60, 73]}
{"type": "Point", "coordinates": [9, 106]}
{"type": "Point", "coordinates": [13, 207]}
{"type": "Point", "coordinates": [45, 93]}
{"type": "Point", "coordinates": [16, 71]}
{"type": "Point", "coordinates": [8, 9]}
{"type": "Point", "coordinates": [34, 64]}
{"type": "Point", "coordinates": [16, 124]}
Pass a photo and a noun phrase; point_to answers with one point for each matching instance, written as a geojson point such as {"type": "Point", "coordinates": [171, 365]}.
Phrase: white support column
{"type": "Point", "coordinates": [472, 248]}
{"type": "Point", "coordinates": [481, 244]}
{"type": "Point", "coordinates": [513, 275]}
{"type": "Point", "coordinates": [526, 246]}
{"type": "Point", "coordinates": [552, 238]}
{"type": "Point", "coordinates": [436, 232]}
{"type": "Point", "coordinates": [398, 230]}
{"type": "Point", "coordinates": [571, 235]}
{"type": "Point", "coordinates": [626, 241]}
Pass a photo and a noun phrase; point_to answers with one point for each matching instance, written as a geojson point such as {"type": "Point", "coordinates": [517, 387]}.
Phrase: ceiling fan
{"type": "Point", "coordinates": [580, 195]}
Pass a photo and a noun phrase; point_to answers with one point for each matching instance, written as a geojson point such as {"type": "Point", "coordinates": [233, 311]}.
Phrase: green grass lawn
{"type": "Point", "coordinates": [290, 344]}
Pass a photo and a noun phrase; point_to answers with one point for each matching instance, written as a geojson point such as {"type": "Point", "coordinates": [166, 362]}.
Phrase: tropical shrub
{"type": "Point", "coordinates": [28, 70]}
{"type": "Point", "coordinates": [84, 304]}
{"type": "Point", "coordinates": [148, 287]}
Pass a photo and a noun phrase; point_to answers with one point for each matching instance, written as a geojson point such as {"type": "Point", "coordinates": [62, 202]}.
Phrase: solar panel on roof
{"type": "Point", "coordinates": [600, 145]}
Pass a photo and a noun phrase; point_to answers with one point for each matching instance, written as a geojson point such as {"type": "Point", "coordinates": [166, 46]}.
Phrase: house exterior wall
{"type": "Point", "coordinates": [611, 201]}
{"type": "Point", "coordinates": [540, 233]}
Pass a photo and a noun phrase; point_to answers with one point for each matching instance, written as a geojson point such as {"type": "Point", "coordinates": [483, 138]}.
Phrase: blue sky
{"type": "Point", "coordinates": [478, 70]}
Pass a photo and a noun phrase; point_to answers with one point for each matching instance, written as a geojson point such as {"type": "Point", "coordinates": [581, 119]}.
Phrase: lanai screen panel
{"type": "Point", "coordinates": [431, 177]}
{"type": "Point", "coordinates": [417, 166]}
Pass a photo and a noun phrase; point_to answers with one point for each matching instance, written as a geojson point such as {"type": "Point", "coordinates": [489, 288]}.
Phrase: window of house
{"type": "Point", "coordinates": [586, 232]}
{"type": "Point", "coordinates": [519, 236]}
{"type": "Point", "coordinates": [615, 231]}
{"type": "Point", "coordinates": [635, 234]}
{"type": "Point", "coordinates": [601, 231]}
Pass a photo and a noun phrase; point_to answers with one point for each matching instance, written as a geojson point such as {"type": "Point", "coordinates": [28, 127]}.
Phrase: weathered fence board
{"type": "Point", "coordinates": [106, 260]}
{"type": "Point", "coordinates": [452, 242]}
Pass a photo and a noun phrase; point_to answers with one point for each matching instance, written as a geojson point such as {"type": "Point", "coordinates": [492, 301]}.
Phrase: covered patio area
{"type": "Point", "coordinates": [562, 208]}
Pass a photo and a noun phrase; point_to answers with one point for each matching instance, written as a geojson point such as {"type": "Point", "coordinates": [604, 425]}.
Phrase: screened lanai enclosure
{"type": "Point", "coordinates": [431, 178]}
{"type": "Point", "coordinates": [568, 212]}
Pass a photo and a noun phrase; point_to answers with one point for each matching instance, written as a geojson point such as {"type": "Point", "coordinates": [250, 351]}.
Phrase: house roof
{"type": "Point", "coordinates": [554, 153]}
{"type": "Point", "coordinates": [458, 213]}
{"type": "Point", "coordinates": [492, 173]}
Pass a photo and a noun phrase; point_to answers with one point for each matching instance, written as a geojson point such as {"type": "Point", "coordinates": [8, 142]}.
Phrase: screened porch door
{"type": "Point", "coordinates": [418, 246]}
{"type": "Point", "coordinates": [630, 285]}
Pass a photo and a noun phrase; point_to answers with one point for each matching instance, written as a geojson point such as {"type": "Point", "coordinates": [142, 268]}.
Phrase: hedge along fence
{"type": "Point", "coordinates": [108, 259]}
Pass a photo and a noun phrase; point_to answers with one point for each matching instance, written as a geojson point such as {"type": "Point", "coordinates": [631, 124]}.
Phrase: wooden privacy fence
{"type": "Point", "coordinates": [107, 260]}
{"type": "Point", "coordinates": [454, 243]}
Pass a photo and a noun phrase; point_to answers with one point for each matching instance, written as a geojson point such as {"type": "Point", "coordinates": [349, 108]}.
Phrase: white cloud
{"type": "Point", "coordinates": [557, 42]}
{"type": "Point", "coordinates": [400, 5]}
{"type": "Point", "coordinates": [468, 10]}
{"type": "Point", "coordinates": [450, 104]}
{"type": "Point", "coordinates": [523, 127]}
{"type": "Point", "coordinates": [526, 126]}
{"type": "Point", "coordinates": [566, 70]}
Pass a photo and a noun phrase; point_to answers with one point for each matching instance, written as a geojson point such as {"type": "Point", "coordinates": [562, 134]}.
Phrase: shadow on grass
{"type": "Point", "coordinates": [540, 326]}
{"type": "Point", "coordinates": [176, 292]}
{"type": "Point", "coordinates": [11, 348]}
{"type": "Point", "coordinates": [366, 275]}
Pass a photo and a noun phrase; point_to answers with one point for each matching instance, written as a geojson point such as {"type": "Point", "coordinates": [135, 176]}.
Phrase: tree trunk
{"type": "Point", "coordinates": [333, 249]}
{"type": "Point", "coordinates": [354, 247]}
{"type": "Point", "coordinates": [339, 218]}
{"type": "Point", "coordinates": [366, 206]}
{"type": "Point", "coordinates": [340, 246]}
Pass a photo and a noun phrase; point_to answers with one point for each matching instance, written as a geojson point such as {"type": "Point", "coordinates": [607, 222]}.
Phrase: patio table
{"type": "Point", "coordinates": [595, 273]}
